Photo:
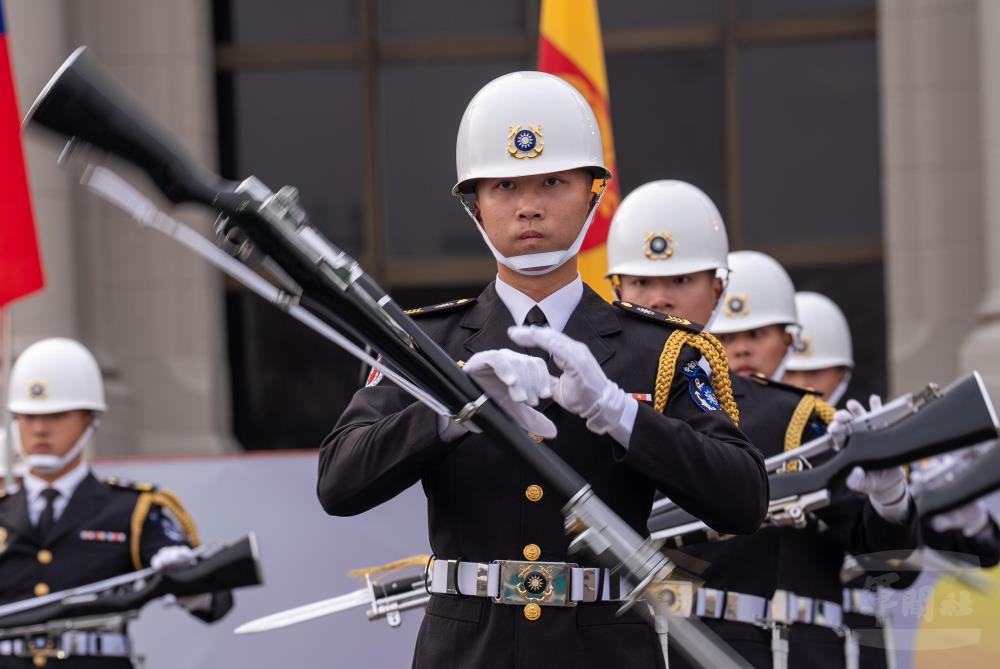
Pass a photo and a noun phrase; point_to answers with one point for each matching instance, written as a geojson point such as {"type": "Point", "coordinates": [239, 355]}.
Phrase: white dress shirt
{"type": "Point", "coordinates": [557, 307]}
{"type": "Point", "coordinates": [65, 484]}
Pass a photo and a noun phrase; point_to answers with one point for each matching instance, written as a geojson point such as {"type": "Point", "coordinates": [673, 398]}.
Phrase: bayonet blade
{"type": "Point", "coordinates": [306, 612]}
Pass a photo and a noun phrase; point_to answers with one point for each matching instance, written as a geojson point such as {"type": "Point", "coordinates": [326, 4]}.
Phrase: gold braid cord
{"type": "Point", "coordinates": [808, 405]}
{"type": "Point", "coordinates": [711, 348]}
{"type": "Point", "coordinates": [170, 502]}
{"type": "Point", "coordinates": [412, 561]}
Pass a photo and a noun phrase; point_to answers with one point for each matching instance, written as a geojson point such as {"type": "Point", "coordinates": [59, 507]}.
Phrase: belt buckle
{"type": "Point", "coordinates": [542, 583]}
{"type": "Point", "coordinates": [44, 647]}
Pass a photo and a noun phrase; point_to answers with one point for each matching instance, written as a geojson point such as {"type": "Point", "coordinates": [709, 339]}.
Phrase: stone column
{"type": "Point", "coordinates": [929, 59]}
{"type": "Point", "coordinates": [981, 349]}
{"type": "Point", "coordinates": [151, 311]}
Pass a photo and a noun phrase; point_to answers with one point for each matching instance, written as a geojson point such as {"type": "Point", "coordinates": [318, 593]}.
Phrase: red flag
{"type": "Point", "coordinates": [20, 264]}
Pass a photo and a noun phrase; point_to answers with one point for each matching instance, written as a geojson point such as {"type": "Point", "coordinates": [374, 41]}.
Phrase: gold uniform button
{"type": "Point", "coordinates": [41, 589]}
{"type": "Point", "coordinates": [533, 492]}
{"type": "Point", "coordinates": [532, 611]}
{"type": "Point", "coordinates": [532, 552]}
{"type": "Point", "coordinates": [44, 556]}
{"type": "Point", "coordinates": [39, 660]}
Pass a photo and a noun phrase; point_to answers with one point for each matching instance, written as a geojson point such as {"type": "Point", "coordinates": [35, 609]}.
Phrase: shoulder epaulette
{"type": "Point", "coordinates": [657, 317]}
{"type": "Point", "coordinates": [763, 380]}
{"type": "Point", "coordinates": [439, 308]}
{"type": "Point", "coordinates": [125, 484]}
{"type": "Point", "coordinates": [168, 501]}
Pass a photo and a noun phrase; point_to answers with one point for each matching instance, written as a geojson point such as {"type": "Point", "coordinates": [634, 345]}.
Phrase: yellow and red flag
{"type": "Point", "coordinates": [569, 46]}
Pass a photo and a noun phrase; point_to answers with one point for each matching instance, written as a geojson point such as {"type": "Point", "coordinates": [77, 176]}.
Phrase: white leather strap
{"type": "Point", "coordinates": [732, 606]}
{"type": "Point", "coordinates": [482, 579]}
{"type": "Point", "coordinates": [92, 644]}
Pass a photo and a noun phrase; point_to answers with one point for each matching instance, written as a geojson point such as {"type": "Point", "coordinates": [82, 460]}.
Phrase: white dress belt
{"type": "Point", "coordinates": [94, 644]}
{"type": "Point", "coordinates": [784, 608]}
{"type": "Point", "coordinates": [864, 602]}
{"type": "Point", "coordinates": [482, 579]}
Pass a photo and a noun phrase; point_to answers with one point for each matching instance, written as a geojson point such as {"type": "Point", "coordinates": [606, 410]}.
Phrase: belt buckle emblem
{"type": "Point", "coordinates": [542, 583]}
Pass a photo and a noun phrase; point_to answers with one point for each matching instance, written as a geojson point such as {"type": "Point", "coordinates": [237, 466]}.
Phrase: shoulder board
{"type": "Point", "coordinates": [657, 317]}
{"type": "Point", "coordinates": [440, 308]}
{"type": "Point", "coordinates": [124, 484]}
{"type": "Point", "coordinates": [762, 380]}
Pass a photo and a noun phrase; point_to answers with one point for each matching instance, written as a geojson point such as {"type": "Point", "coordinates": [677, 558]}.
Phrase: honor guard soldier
{"type": "Point", "coordinates": [64, 527]}
{"type": "Point", "coordinates": [592, 380]}
{"type": "Point", "coordinates": [823, 356]}
{"type": "Point", "coordinates": [824, 360]}
{"type": "Point", "coordinates": [668, 250]}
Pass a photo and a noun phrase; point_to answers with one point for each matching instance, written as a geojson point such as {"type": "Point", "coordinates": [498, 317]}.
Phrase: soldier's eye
{"type": "Point", "coordinates": [553, 181]}
{"type": "Point", "coordinates": [505, 185]}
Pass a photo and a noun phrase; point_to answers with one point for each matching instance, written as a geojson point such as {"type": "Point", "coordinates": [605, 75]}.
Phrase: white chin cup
{"type": "Point", "coordinates": [49, 464]}
{"type": "Point", "coordinates": [536, 264]}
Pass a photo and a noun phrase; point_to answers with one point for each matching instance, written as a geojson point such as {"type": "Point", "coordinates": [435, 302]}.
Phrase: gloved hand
{"type": "Point", "coordinates": [173, 557]}
{"type": "Point", "coordinates": [886, 488]}
{"type": "Point", "coordinates": [516, 382]}
{"type": "Point", "coordinates": [583, 388]}
{"type": "Point", "coordinates": [972, 519]}
{"type": "Point", "coordinates": [840, 428]}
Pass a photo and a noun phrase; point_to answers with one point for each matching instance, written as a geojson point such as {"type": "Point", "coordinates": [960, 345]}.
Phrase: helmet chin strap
{"type": "Point", "coordinates": [537, 264]}
{"type": "Point", "coordinates": [838, 392]}
{"type": "Point", "coordinates": [723, 274]}
{"type": "Point", "coordinates": [49, 464]}
{"type": "Point", "coordinates": [780, 372]}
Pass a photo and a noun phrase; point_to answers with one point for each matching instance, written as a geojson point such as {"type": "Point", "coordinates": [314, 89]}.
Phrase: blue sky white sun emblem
{"type": "Point", "coordinates": [525, 140]}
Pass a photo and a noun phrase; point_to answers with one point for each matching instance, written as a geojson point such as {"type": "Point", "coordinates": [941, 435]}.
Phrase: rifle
{"type": "Point", "coordinates": [962, 416]}
{"type": "Point", "coordinates": [93, 606]}
{"type": "Point", "coordinates": [888, 414]}
{"type": "Point", "coordinates": [977, 477]}
{"type": "Point", "coordinates": [83, 104]}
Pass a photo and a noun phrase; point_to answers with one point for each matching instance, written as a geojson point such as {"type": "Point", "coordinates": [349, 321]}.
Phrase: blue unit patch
{"type": "Point", "coordinates": [700, 389]}
{"type": "Point", "coordinates": [167, 524]}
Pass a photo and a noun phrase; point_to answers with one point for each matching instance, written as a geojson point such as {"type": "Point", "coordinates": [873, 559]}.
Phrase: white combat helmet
{"type": "Point", "coordinates": [52, 376]}
{"type": "Point", "coordinates": [666, 228]}
{"type": "Point", "coordinates": [760, 293]}
{"type": "Point", "coordinates": [55, 375]}
{"type": "Point", "coordinates": [522, 124]}
{"type": "Point", "coordinates": [825, 339]}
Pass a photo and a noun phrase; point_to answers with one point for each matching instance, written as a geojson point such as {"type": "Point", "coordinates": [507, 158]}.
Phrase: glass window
{"type": "Point", "coordinates": [616, 14]}
{"type": "Point", "coordinates": [454, 18]}
{"type": "Point", "coordinates": [667, 114]}
{"type": "Point", "coordinates": [268, 23]}
{"type": "Point", "coordinates": [422, 106]}
{"type": "Point", "coordinates": [809, 132]}
{"type": "Point", "coordinates": [304, 128]}
{"type": "Point", "coordinates": [794, 9]}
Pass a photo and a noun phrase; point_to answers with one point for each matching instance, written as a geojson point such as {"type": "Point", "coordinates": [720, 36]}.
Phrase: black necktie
{"type": "Point", "coordinates": [537, 318]}
{"type": "Point", "coordinates": [48, 517]}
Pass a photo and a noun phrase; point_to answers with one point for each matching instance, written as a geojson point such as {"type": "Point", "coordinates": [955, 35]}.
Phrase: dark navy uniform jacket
{"type": "Point", "coordinates": [805, 561]}
{"type": "Point", "coordinates": [477, 507]}
{"type": "Point", "coordinates": [91, 541]}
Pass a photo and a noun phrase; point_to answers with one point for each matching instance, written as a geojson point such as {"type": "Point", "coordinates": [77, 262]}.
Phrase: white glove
{"type": "Point", "coordinates": [886, 488]}
{"type": "Point", "coordinates": [971, 519]}
{"type": "Point", "coordinates": [840, 428]}
{"type": "Point", "coordinates": [173, 557]}
{"type": "Point", "coordinates": [583, 388]}
{"type": "Point", "coordinates": [516, 382]}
